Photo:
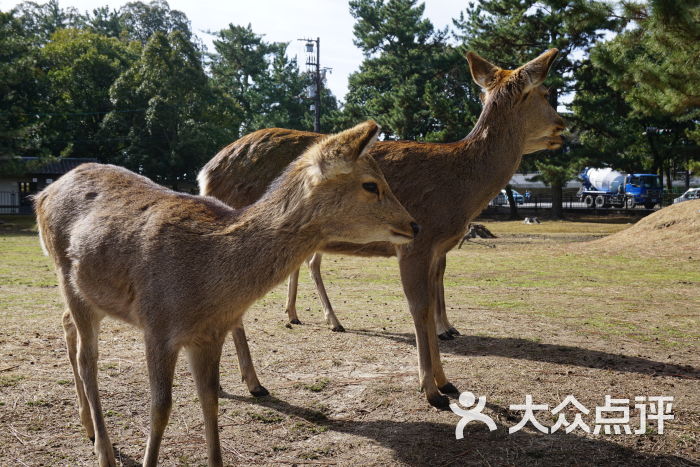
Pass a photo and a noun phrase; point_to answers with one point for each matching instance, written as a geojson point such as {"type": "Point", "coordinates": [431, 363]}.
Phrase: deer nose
{"type": "Point", "coordinates": [416, 228]}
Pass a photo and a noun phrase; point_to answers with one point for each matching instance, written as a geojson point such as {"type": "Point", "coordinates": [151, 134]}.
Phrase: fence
{"type": "Point", "coordinates": [570, 203]}
{"type": "Point", "coordinates": [14, 203]}
{"type": "Point", "coordinates": [9, 202]}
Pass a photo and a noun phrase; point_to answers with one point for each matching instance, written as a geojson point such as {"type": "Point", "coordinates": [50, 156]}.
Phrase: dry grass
{"type": "Point", "coordinates": [540, 315]}
{"type": "Point", "coordinates": [670, 232]}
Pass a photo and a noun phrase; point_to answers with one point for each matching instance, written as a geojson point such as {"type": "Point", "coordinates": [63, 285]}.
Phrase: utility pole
{"type": "Point", "coordinates": [313, 65]}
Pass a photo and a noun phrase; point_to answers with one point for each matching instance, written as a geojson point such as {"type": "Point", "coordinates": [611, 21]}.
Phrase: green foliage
{"type": "Point", "coordinates": [134, 86]}
{"type": "Point", "coordinates": [167, 109]}
{"type": "Point", "coordinates": [78, 68]}
{"type": "Point", "coordinates": [608, 133]}
{"type": "Point", "coordinates": [410, 81]}
{"type": "Point", "coordinates": [139, 20]}
{"type": "Point", "coordinates": [655, 59]}
{"type": "Point", "coordinates": [40, 21]}
{"type": "Point", "coordinates": [259, 77]}
{"type": "Point", "coordinates": [652, 70]}
{"type": "Point", "coordinates": [18, 86]}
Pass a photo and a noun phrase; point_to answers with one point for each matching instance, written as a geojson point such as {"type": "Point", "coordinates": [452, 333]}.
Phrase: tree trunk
{"type": "Point", "coordinates": [658, 167]}
{"type": "Point", "coordinates": [511, 200]}
{"type": "Point", "coordinates": [557, 211]}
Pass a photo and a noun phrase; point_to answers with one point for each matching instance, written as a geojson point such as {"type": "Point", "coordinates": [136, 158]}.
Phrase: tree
{"type": "Point", "coordinates": [654, 63]}
{"type": "Point", "coordinates": [79, 67]}
{"type": "Point", "coordinates": [103, 21]}
{"type": "Point", "coordinates": [167, 112]}
{"type": "Point", "coordinates": [139, 20]}
{"type": "Point", "coordinates": [407, 80]}
{"type": "Point", "coordinates": [259, 77]}
{"type": "Point", "coordinates": [19, 88]}
{"type": "Point", "coordinates": [40, 21]}
{"type": "Point", "coordinates": [607, 132]}
{"type": "Point", "coordinates": [511, 32]}
{"type": "Point", "coordinates": [611, 132]}
{"type": "Point", "coordinates": [655, 59]}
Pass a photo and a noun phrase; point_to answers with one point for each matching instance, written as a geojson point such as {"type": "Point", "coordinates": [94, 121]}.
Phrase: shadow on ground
{"type": "Point", "coordinates": [434, 444]}
{"type": "Point", "coordinates": [550, 353]}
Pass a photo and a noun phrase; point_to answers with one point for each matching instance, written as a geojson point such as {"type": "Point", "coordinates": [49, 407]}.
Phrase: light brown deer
{"type": "Point", "coordinates": [444, 186]}
{"type": "Point", "coordinates": [185, 268]}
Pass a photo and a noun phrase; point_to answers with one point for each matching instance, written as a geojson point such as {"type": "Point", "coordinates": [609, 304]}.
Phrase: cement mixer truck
{"type": "Point", "coordinates": [606, 187]}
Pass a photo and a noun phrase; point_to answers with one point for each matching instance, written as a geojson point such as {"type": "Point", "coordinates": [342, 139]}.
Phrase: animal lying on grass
{"type": "Point", "coordinates": [185, 268]}
{"type": "Point", "coordinates": [444, 186]}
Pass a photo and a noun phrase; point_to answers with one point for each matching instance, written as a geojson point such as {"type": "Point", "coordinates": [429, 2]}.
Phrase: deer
{"type": "Point", "coordinates": [185, 268]}
{"type": "Point", "coordinates": [443, 185]}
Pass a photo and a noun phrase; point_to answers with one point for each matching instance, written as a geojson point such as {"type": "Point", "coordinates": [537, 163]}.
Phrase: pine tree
{"type": "Point", "coordinates": [408, 81]}
{"type": "Point", "coordinates": [654, 63]}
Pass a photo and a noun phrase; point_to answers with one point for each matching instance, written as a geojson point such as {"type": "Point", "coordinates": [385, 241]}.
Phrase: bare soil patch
{"type": "Point", "coordinates": [539, 315]}
{"type": "Point", "coordinates": [671, 231]}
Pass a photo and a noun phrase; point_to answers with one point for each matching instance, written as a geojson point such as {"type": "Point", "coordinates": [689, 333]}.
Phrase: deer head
{"type": "Point", "coordinates": [522, 90]}
{"type": "Point", "coordinates": [353, 200]}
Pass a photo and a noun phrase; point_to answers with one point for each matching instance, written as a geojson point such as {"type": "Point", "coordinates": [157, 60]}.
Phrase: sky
{"type": "Point", "coordinates": [284, 21]}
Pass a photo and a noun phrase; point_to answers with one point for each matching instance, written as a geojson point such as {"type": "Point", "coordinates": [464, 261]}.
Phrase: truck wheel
{"type": "Point", "coordinates": [599, 201]}
{"type": "Point", "coordinates": [630, 204]}
{"type": "Point", "coordinates": [649, 205]}
{"type": "Point", "coordinates": [588, 201]}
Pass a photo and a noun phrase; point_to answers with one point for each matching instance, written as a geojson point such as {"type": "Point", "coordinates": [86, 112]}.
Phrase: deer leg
{"type": "Point", "coordinates": [71, 336]}
{"type": "Point", "coordinates": [445, 330]}
{"type": "Point", "coordinates": [245, 362]}
{"type": "Point", "coordinates": [315, 269]}
{"type": "Point", "coordinates": [161, 361]}
{"type": "Point", "coordinates": [292, 297]}
{"type": "Point", "coordinates": [440, 328]}
{"type": "Point", "coordinates": [416, 281]}
{"type": "Point", "coordinates": [204, 363]}
{"type": "Point", "coordinates": [87, 325]}
{"type": "Point", "coordinates": [438, 373]}
{"type": "Point", "coordinates": [443, 308]}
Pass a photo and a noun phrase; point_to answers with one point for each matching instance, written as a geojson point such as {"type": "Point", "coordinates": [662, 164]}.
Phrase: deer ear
{"type": "Point", "coordinates": [364, 136]}
{"type": "Point", "coordinates": [336, 154]}
{"type": "Point", "coordinates": [483, 72]}
{"type": "Point", "coordinates": [538, 68]}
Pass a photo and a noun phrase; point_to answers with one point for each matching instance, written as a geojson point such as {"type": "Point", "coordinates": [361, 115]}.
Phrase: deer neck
{"type": "Point", "coordinates": [268, 241]}
{"type": "Point", "coordinates": [494, 147]}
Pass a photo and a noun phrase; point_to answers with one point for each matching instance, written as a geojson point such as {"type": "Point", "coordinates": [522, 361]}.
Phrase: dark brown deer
{"type": "Point", "coordinates": [444, 186]}
{"type": "Point", "coordinates": [185, 268]}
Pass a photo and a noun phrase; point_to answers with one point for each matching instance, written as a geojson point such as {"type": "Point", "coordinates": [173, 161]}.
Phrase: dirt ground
{"type": "Point", "coordinates": [539, 314]}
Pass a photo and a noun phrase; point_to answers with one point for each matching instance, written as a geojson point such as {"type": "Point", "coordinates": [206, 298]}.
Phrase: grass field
{"type": "Point", "coordinates": [539, 314]}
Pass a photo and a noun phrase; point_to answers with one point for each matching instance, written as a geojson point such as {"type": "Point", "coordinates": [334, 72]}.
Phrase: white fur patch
{"type": "Point", "coordinates": [41, 241]}
{"type": "Point", "coordinates": [203, 182]}
{"type": "Point", "coordinates": [371, 141]}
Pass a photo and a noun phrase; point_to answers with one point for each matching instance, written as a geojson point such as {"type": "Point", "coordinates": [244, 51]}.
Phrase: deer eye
{"type": "Point", "coordinates": [371, 187]}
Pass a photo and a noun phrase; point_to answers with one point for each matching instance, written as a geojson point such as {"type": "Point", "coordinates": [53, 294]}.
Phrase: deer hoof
{"type": "Point", "coordinates": [439, 402]}
{"type": "Point", "coordinates": [454, 332]}
{"type": "Point", "coordinates": [446, 336]}
{"type": "Point", "coordinates": [92, 440]}
{"type": "Point", "coordinates": [449, 388]}
{"type": "Point", "coordinates": [260, 391]}
{"type": "Point", "coordinates": [338, 328]}
{"type": "Point", "coordinates": [295, 321]}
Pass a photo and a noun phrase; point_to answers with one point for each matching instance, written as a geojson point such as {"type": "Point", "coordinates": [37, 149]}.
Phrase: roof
{"type": "Point", "coordinates": [58, 167]}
